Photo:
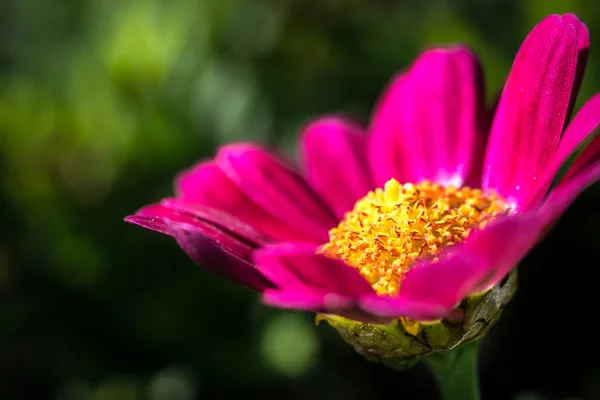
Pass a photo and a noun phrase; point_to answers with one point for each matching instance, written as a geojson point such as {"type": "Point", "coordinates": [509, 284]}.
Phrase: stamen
{"type": "Point", "coordinates": [391, 228]}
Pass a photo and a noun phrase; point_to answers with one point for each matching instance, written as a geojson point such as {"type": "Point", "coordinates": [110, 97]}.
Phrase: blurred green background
{"type": "Point", "coordinates": [102, 102]}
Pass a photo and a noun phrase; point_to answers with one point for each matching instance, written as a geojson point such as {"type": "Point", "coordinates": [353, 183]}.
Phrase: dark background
{"type": "Point", "coordinates": [103, 101]}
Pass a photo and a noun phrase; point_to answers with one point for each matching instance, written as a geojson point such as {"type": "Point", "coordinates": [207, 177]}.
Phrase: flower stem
{"type": "Point", "coordinates": [456, 372]}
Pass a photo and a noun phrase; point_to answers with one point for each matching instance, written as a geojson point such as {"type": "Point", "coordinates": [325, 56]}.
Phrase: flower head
{"type": "Point", "coordinates": [415, 219]}
{"type": "Point", "coordinates": [391, 228]}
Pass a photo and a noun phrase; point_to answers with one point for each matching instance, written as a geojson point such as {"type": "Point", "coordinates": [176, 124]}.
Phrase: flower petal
{"type": "Point", "coordinates": [204, 183]}
{"type": "Point", "coordinates": [313, 282]}
{"type": "Point", "coordinates": [561, 197]}
{"type": "Point", "coordinates": [335, 162]}
{"type": "Point", "coordinates": [277, 189]}
{"type": "Point", "coordinates": [396, 307]}
{"type": "Point", "coordinates": [584, 172]}
{"type": "Point", "coordinates": [218, 218]}
{"type": "Point", "coordinates": [153, 217]}
{"type": "Point", "coordinates": [317, 302]}
{"type": "Point", "coordinates": [586, 159]}
{"type": "Point", "coordinates": [426, 125]}
{"type": "Point", "coordinates": [216, 255]}
{"type": "Point", "coordinates": [207, 185]}
{"type": "Point", "coordinates": [297, 266]}
{"type": "Point", "coordinates": [205, 244]}
{"type": "Point", "coordinates": [162, 219]}
{"type": "Point", "coordinates": [532, 110]}
{"type": "Point", "coordinates": [585, 123]}
{"type": "Point", "coordinates": [472, 266]}
{"type": "Point", "coordinates": [583, 49]}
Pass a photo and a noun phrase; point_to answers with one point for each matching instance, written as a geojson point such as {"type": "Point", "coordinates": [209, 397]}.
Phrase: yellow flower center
{"type": "Point", "coordinates": [389, 229]}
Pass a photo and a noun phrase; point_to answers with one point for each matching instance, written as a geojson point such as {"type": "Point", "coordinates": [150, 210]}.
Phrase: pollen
{"type": "Point", "coordinates": [392, 228]}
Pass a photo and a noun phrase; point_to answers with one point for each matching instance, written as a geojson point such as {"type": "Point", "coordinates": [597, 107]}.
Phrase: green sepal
{"type": "Point", "coordinates": [393, 346]}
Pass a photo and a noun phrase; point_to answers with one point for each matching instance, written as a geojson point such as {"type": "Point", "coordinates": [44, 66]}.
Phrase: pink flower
{"type": "Point", "coordinates": [329, 242]}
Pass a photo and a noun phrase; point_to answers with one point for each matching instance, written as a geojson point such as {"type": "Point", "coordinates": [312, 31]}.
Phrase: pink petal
{"type": "Point", "coordinates": [582, 125]}
{"type": "Point", "coordinates": [312, 282]}
{"type": "Point", "coordinates": [153, 217]}
{"type": "Point", "coordinates": [207, 185]}
{"type": "Point", "coordinates": [277, 189]}
{"type": "Point", "coordinates": [335, 162]}
{"type": "Point", "coordinates": [396, 307]}
{"type": "Point", "coordinates": [318, 302]}
{"type": "Point", "coordinates": [585, 123]}
{"type": "Point", "coordinates": [298, 267]}
{"type": "Point", "coordinates": [309, 281]}
{"type": "Point", "coordinates": [162, 219]}
{"type": "Point", "coordinates": [532, 110]}
{"type": "Point", "coordinates": [472, 266]}
{"type": "Point", "coordinates": [583, 47]}
{"type": "Point", "coordinates": [588, 157]}
{"type": "Point", "coordinates": [307, 300]}
{"type": "Point", "coordinates": [218, 218]}
{"type": "Point", "coordinates": [205, 244]}
{"type": "Point", "coordinates": [202, 183]}
{"type": "Point", "coordinates": [584, 172]}
{"type": "Point", "coordinates": [426, 124]}
{"type": "Point", "coordinates": [217, 256]}
{"type": "Point", "coordinates": [561, 197]}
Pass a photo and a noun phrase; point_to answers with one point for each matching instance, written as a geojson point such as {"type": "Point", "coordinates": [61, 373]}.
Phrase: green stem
{"type": "Point", "coordinates": [456, 372]}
